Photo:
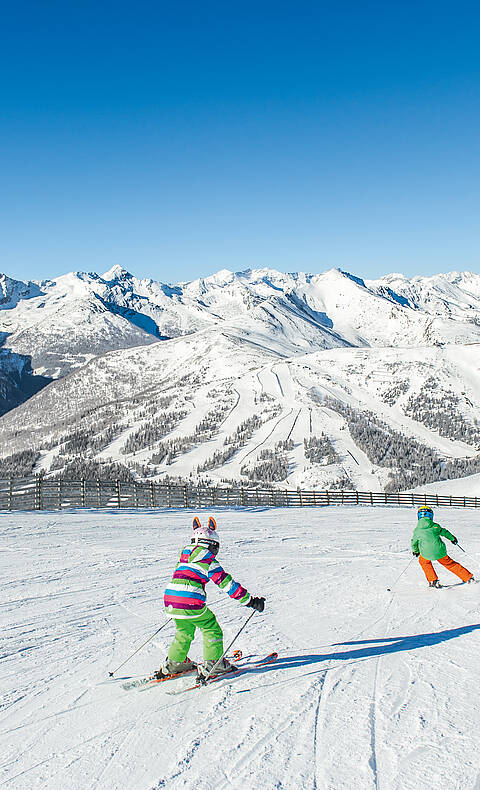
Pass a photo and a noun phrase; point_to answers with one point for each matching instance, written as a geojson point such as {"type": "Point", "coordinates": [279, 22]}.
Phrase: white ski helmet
{"type": "Point", "coordinates": [206, 536]}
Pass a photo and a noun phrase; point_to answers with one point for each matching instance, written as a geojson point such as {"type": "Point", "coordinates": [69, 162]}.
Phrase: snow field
{"type": "Point", "coordinates": [372, 690]}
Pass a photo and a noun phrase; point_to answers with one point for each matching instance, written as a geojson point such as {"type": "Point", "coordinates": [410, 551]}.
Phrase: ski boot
{"type": "Point", "coordinates": [435, 583]}
{"type": "Point", "coordinates": [221, 668]}
{"type": "Point", "coordinates": [170, 667]}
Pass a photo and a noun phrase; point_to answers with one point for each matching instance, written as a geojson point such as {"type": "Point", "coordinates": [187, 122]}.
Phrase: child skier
{"type": "Point", "coordinates": [427, 545]}
{"type": "Point", "coordinates": [185, 601]}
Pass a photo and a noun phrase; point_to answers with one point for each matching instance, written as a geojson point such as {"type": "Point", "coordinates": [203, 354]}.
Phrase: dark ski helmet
{"type": "Point", "coordinates": [425, 512]}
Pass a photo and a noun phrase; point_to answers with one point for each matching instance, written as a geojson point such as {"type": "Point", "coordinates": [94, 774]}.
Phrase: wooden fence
{"type": "Point", "coordinates": [41, 494]}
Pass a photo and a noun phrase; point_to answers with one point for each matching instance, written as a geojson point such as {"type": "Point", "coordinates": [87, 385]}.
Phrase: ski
{"type": "Point", "coordinates": [243, 670]}
{"type": "Point", "coordinates": [151, 680]}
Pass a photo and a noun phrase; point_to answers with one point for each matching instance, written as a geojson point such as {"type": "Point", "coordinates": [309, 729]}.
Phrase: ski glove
{"type": "Point", "coordinates": [455, 541]}
{"type": "Point", "coordinates": [257, 603]}
{"type": "Point", "coordinates": [416, 553]}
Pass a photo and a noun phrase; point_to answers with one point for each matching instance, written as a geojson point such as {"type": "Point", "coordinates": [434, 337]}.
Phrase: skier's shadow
{"type": "Point", "coordinates": [376, 647]}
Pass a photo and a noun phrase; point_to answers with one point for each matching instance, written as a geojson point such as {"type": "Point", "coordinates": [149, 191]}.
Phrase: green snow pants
{"type": "Point", "coordinates": [212, 637]}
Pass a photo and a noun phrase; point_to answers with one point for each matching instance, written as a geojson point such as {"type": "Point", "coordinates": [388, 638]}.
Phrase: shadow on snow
{"type": "Point", "coordinates": [368, 648]}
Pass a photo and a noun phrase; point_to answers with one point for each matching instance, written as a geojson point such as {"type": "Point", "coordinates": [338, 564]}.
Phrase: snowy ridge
{"type": "Point", "coordinates": [239, 375]}
{"type": "Point", "coordinates": [117, 310]}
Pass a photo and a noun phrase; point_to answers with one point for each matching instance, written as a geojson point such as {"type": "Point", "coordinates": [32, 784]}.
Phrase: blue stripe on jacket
{"type": "Point", "coordinates": [183, 593]}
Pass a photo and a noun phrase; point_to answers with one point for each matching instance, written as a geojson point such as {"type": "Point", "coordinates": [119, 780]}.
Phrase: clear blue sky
{"type": "Point", "coordinates": [176, 139]}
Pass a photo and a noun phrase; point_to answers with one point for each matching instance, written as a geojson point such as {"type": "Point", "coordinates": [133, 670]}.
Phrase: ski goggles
{"type": "Point", "coordinates": [425, 512]}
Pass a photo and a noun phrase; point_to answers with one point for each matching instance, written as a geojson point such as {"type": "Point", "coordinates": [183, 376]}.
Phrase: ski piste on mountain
{"type": "Point", "coordinates": [241, 668]}
{"type": "Point", "coordinates": [298, 339]}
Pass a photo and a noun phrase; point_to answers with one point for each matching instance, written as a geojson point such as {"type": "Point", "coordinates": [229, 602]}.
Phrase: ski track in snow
{"type": "Point", "coordinates": [371, 691]}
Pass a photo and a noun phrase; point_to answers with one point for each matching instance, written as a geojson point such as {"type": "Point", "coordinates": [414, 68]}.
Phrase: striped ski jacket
{"type": "Point", "coordinates": [185, 595]}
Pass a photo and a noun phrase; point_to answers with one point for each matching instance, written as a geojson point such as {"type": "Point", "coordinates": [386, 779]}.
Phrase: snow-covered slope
{"type": "Point", "coordinates": [372, 690]}
{"type": "Point", "coordinates": [464, 486]}
{"type": "Point", "coordinates": [55, 321]}
{"type": "Point", "coordinates": [188, 398]}
{"type": "Point", "coordinates": [297, 379]}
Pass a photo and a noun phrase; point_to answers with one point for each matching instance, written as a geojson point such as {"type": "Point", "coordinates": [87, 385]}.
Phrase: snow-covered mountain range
{"type": "Point", "coordinates": [295, 379]}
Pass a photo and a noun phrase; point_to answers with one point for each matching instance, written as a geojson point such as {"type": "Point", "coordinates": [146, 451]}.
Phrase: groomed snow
{"type": "Point", "coordinates": [372, 690]}
{"type": "Point", "coordinates": [463, 486]}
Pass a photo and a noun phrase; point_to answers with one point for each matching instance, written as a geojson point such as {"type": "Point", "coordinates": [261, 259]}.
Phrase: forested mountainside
{"type": "Point", "coordinates": [287, 379]}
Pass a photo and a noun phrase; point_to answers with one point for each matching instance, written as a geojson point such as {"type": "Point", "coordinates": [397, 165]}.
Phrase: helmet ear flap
{"type": "Point", "coordinates": [214, 547]}
{"type": "Point", "coordinates": [211, 545]}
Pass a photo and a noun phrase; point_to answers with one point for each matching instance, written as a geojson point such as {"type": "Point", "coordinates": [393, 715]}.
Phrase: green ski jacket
{"type": "Point", "coordinates": [426, 539]}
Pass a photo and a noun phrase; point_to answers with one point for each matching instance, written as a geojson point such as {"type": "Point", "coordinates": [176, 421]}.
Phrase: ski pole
{"type": "Point", "coordinates": [204, 679]}
{"type": "Point", "coordinates": [389, 589]}
{"type": "Point", "coordinates": [475, 562]}
{"type": "Point", "coordinates": [138, 649]}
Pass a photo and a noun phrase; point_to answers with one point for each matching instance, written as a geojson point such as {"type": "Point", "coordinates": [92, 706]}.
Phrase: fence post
{"type": "Point", "coordinates": [38, 492]}
{"type": "Point", "coordinates": [42, 492]}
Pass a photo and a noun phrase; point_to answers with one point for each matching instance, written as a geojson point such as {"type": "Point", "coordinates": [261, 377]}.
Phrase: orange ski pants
{"type": "Point", "coordinates": [447, 563]}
